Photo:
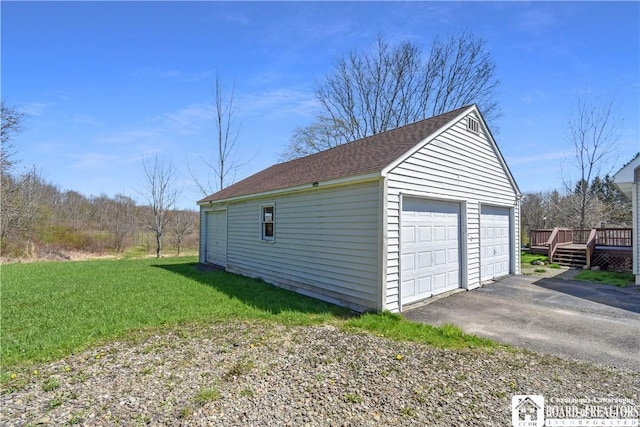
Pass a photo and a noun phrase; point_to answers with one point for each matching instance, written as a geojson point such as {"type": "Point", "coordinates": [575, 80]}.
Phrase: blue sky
{"type": "Point", "coordinates": [105, 85]}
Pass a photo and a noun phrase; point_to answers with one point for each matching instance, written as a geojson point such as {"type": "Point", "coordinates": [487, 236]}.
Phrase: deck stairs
{"type": "Point", "coordinates": [571, 255]}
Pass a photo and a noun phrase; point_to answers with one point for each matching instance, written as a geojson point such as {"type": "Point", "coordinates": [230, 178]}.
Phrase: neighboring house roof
{"type": "Point", "coordinates": [625, 177]}
{"type": "Point", "coordinates": [366, 155]}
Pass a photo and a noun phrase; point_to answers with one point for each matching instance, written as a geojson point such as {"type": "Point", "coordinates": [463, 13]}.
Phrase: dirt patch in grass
{"type": "Point", "coordinates": [546, 271]}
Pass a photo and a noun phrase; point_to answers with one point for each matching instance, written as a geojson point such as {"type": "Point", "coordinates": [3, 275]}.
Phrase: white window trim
{"type": "Point", "coordinates": [263, 238]}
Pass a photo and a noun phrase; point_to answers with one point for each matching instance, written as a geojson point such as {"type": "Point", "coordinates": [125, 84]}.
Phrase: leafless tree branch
{"type": "Point", "coordinates": [160, 192]}
{"type": "Point", "coordinates": [373, 91]}
{"type": "Point", "coordinates": [593, 133]}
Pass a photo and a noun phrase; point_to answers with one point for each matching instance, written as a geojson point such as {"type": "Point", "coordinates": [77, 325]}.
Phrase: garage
{"type": "Point", "coordinates": [216, 249]}
{"type": "Point", "coordinates": [430, 248]}
{"type": "Point", "coordinates": [494, 242]}
{"type": "Point", "coordinates": [378, 223]}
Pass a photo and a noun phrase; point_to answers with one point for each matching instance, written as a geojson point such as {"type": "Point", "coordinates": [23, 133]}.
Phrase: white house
{"type": "Point", "coordinates": [378, 223]}
{"type": "Point", "coordinates": [628, 180]}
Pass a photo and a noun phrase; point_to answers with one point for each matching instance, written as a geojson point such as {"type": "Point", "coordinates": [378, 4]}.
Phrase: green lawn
{"type": "Point", "coordinates": [528, 258]}
{"type": "Point", "coordinates": [606, 277]}
{"type": "Point", "coordinates": [52, 309]}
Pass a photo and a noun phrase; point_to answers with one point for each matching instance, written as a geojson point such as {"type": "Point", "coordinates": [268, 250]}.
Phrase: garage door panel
{"type": "Point", "coordinates": [439, 233]}
{"type": "Point", "coordinates": [453, 278]}
{"type": "Point", "coordinates": [424, 259]}
{"type": "Point", "coordinates": [440, 280]}
{"type": "Point", "coordinates": [424, 234]}
{"type": "Point", "coordinates": [424, 285]}
{"type": "Point", "coordinates": [408, 288]}
{"type": "Point", "coordinates": [440, 257]}
{"type": "Point", "coordinates": [430, 231]}
{"type": "Point", "coordinates": [494, 242]}
{"type": "Point", "coordinates": [408, 261]}
{"type": "Point", "coordinates": [408, 234]}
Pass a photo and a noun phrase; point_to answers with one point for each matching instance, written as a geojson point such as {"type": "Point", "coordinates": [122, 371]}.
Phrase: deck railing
{"type": "Point", "coordinates": [558, 237]}
{"type": "Point", "coordinates": [621, 237]}
{"type": "Point", "coordinates": [591, 245]}
{"type": "Point", "coordinates": [581, 236]}
{"type": "Point", "coordinates": [540, 237]}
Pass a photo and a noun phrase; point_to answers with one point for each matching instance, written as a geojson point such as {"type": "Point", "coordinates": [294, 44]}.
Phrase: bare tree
{"type": "Point", "coordinates": [224, 164]}
{"type": "Point", "coordinates": [593, 134]}
{"type": "Point", "coordinates": [160, 192]}
{"type": "Point", "coordinates": [373, 91]}
{"type": "Point", "coordinates": [533, 211]}
{"type": "Point", "coordinates": [121, 220]}
{"type": "Point", "coordinates": [11, 125]}
{"type": "Point", "coordinates": [182, 225]}
{"type": "Point", "coordinates": [21, 211]}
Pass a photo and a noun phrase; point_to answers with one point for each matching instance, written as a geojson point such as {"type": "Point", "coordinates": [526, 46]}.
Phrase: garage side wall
{"type": "Point", "coordinates": [458, 165]}
{"type": "Point", "coordinates": [325, 243]}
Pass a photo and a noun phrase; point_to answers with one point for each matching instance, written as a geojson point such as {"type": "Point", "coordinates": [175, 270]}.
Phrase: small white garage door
{"type": "Point", "coordinates": [216, 244]}
{"type": "Point", "coordinates": [430, 254]}
{"type": "Point", "coordinates": [494, 242]}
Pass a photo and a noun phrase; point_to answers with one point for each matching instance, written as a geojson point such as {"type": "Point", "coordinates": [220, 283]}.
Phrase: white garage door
{"type": "Point", "coordinates": [430, 254]}
{"type": "Point", "coordinates": [494, 242]}
{"type": "Point", "coordinates": [216, 244]}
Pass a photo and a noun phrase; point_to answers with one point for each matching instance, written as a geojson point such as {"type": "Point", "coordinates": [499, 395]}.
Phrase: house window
{"type": "Point", "coordinates": [473, 125]}
{"type": "Point", "coordinates": [267, 219]}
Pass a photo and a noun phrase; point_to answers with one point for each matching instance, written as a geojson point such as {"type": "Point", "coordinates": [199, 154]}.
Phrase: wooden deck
{"type": "Point", "coordinates": [607, 248]}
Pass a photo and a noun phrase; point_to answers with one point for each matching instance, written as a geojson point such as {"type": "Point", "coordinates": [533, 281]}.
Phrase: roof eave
{"type": "Point", "coordinates": [354, 179]}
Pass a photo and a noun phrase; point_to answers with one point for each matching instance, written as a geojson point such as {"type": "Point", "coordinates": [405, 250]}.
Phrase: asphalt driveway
{"type": "Point", "coordinates": [584, 321]}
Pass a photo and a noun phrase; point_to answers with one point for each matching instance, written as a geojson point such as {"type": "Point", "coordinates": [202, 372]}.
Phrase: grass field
{"type": "Point", "coordinates": [52, 309]}
{"type": "Point", "coordinates": [606, 277]}
{"type": "Point", "coordinates": [527, 258]}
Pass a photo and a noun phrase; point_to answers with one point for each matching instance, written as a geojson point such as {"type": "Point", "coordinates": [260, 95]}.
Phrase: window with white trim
{"type": "Point", "coordinates": [473, 125]}
{"type": "Point", "coordinates": [267, 223]}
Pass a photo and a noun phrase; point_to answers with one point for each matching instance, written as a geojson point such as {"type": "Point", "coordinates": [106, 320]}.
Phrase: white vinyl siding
{"type": "Point", "coordinates": [326, 245]}
{"type": "Point", "coordinates": [456, 166]}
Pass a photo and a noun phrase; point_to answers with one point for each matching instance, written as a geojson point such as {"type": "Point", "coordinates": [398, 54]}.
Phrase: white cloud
{"type": "Point", "coordinates": [186, 120]}
{"type": "Point", "coordinates": [35, 109]}
{"type": "Point", "coordinates": [280, 102]}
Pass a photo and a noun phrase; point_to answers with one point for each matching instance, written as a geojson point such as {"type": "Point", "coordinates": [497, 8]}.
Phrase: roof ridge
{"type": "Point", "coordinates": [365, 155]}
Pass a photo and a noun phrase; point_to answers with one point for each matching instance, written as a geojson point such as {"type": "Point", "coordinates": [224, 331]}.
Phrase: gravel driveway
{"type": "Point", "coordinates": [238, 373]}
{"type": "Point", "coordinates": [585, 321]}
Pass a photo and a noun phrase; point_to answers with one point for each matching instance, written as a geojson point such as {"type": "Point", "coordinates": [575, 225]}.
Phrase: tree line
{"type": "Point", "coordinates": [38, 219]}
{"type": "Point", "coordinates": [607, 207]}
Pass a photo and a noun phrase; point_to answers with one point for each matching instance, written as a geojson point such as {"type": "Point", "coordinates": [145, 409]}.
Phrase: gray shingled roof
{"type": "Point", "coordinates": [363, 156]}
